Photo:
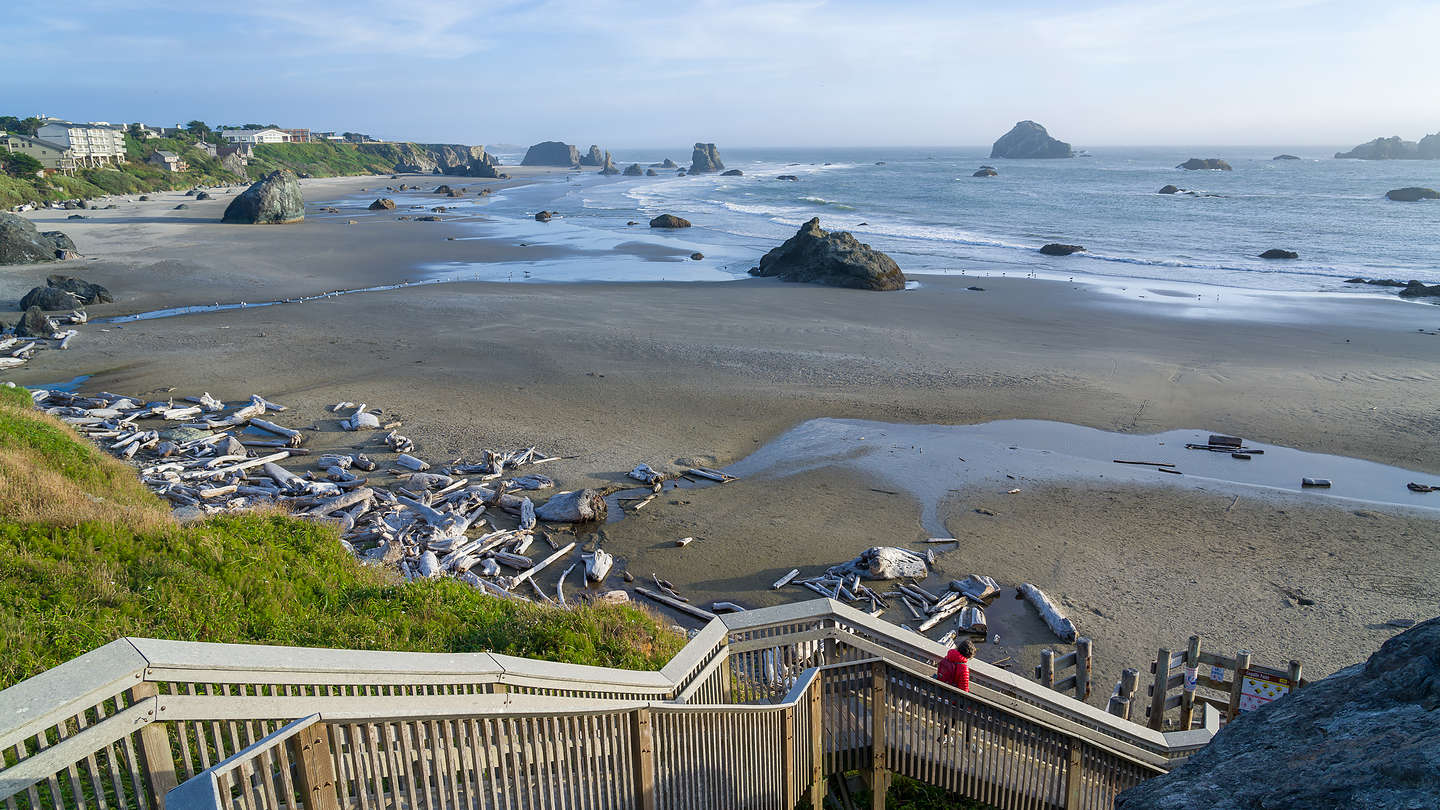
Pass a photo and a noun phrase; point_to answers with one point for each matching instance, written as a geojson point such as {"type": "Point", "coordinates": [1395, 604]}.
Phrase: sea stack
{"type": "Point", "coordinates": [274, 200]}
{"type": "Point", "coordinates": [607, 168]}
{"type": "Point", "coordinates": [705, 159]}
{"type": "Point", "coordinates": [1028, 139]}
{"type": "Point", "coordinates": [593, 157]}
{"type": "Point", "coordinates": [835, 258]}
{"type": "Point", "coordinates": [551, 153]}
{"type": "Point", "coordinates": [1200, 164]}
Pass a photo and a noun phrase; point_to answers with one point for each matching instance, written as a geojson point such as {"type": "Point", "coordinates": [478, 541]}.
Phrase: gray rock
{"type": "Point", "coordinates": [1170, 189]}
{"type": "Point", "coordinates": [1285, 157]}
{"type": "Point", "coordinates": [181, 207]}
{"type": "Point", "coordinates": [732, 173]}
{"type": "Point", "coordinates": [543, 216]}
{"type": "Point", "coordinates": [1412, 194]}
{"type": "Point", "coordinates": [1028, 139]}
{"type": "Point", "coordinates": [1057, 249]}
{"type": "Point", "coordinates": [204, 195]}
{"type": "Point", "coordinates": [579, 506]}
{"type": "Point", "coordinates": [705, 159]}
{"type": "Point", "coordinates": [60, 240]}
{"type": "Point", "coordinates": [608, 167]}
{"type": "Point", "coordinates": [792, 178]}
{"type": "Point", "coordinates": [666, 164]}
{"type": "Point", "coordinates": [382, 204]}
{"type": "Point", "coordinates": [835, 258]}
{"type": "Point", "coordinates": [985, 171]}
{"type": "Point", "coordinates": [1363, 737]}
{"type": "Point", "coordinates": [633, 170]}
{"type": "Point", "coordinates": [551, 153]}
{"type": "Point", "coordinates": [1197, 164]}
{"type": "Point", "coordinates": [49, 299]}
{"type": "Point", "coordinates": [1392, 148]}
{"type": "Point", "coordinates": [274, 200]}
{"type": "Point", "coordinates": [697, 256]}
{"type": "Point", "coordinates": [1417, 289]}
{"type": "Point", "coordinates": [21, 243]}
{"type": "Point", "coordinates": [651, 173]}
{"type": "Point", "coordinates": [593, 157]}
{"type": "Point", "coordinates": [669, 221]}
{"type": "Point", "coordinates": [884, 562]}
{"type": "Point", "coordinates": [77, 216]}
{"type": "Point", "coordinates": [1279, 253]}
{"type": "Point", "coordinates": [35, 323]}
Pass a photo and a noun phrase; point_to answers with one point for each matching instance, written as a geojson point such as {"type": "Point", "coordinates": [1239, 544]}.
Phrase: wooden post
{"type": "Point", "coordinates": [1047, 668]}
{"type": "Point", "coordinates": [1187, 694]}
{"type": "Point", "coordinates": [1074, 786]}
{"type": "Point", "coordinates": [817, 745]}
{"type": "Point", "coordinates": [787, 752]}
{"type": "Point", "coordinates": [1129, 682]}
{"type": "Point", "coordinates": [642, 744]}
{"type": "Point", "coordinates": [1082, 668]}
{"type": "Point", "coordinates": [879, 774]}
{"type": "Point", "coordinates": [156, 758]}
{"type": "Point", "coordinates": [1157, 691]}
{"type": "Point", "coordinates": [1237, 684]}
{"type": "Point", "coordinates": [726, 693]}
{"type": "Point", "coordinates": [314, 761]}
{"type": "Point", "coordinates": [1294, 675]}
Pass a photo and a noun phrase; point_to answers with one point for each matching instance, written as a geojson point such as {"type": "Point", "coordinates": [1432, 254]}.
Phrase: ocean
{"type": "Point", "coordinates": [924, 208]}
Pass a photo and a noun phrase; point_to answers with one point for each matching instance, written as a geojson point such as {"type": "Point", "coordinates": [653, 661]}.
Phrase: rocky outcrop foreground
{"type": "Point", "coordinates": [1028, 139]}
{"type": "Point", "coordinates": [275, 199]}
{"type": "Point", "coordinates": [835, 258]}
{"type": "Point", "coordinates": [22, 243]}
{"type": "Point", "coordinates": [705, 159]}
{"type": "Point", "coordinates": [1199, 164]}
{"type": "Point", "coordinates": [1363, 737]}
{"type": "Point", "coordinates": [551, 153]}
{"type": "Point", "coordinates": [669, 221]}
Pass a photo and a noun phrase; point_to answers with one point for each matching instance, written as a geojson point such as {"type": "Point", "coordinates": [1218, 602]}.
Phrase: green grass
{"type": "Point", "coordinates": [908, 794]}
{"type": "Point", "coordinates": [87, 555]}
{"type": "Point", "coordinates": [318, 159]}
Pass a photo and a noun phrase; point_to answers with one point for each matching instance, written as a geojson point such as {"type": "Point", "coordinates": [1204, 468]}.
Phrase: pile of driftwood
{"type": "Point", "coordinates": [206, 457]}
{"type": "Point", "coordinates": [36, 332]}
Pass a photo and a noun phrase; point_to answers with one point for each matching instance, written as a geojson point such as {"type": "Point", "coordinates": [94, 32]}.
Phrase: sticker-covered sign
{"type": "Point", "coordinates": [1258, 689]}
{"type": "Point", "coordinates": [1217, 674]}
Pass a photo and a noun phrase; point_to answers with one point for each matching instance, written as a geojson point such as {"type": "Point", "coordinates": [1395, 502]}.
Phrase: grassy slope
{"type": "Point", "coordinates": [88, 555]}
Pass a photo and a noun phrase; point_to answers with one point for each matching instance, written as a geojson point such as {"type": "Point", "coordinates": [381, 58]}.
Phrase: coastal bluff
{"type": "Point", "coordinates": [1028, 139]}
{"type": "Point", "coordinates": [551, 153]}
{"type": "Point", "coordinates": [835, 258]}
{"type": "Point", "coordinates": [1395, 148]}
{"type": "Point", "coordinates": [1363, 737]}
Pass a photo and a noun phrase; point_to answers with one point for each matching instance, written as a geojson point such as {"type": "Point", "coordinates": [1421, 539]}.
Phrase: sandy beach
{"type": "Point", "coordinates": [610, 375]}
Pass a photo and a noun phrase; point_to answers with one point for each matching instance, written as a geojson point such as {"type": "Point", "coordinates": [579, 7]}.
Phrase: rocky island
{"type": "Point", "coordinates": [705, 159]}
{"type": "Point", "coordinates": [1028, 139]}
{"type": "Point", "coordinates": [551, 153]}
{"type": "Point", "coordinates": [1395, 148]}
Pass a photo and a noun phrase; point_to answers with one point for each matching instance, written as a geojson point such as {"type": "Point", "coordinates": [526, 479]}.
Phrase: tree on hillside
{"type": "Point", "coordinates": [19, 165]}
{"type": "Point", "coordinates": [135, 131]}
{"type": "Point", "coordinates": [198, 129]}
{"type": "Point", "coordinates": [20, 126]}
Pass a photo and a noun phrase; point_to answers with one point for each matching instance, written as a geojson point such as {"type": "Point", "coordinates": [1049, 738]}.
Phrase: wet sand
{"type": "Point", "coordinates": [609, 375]}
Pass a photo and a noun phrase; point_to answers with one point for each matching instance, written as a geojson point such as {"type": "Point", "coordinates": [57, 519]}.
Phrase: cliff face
{"type": "Point", "coordinates": [448, 158]}
{"type": "Point", "coordinates": [551, 153]}
{"type": "Point", "coordinates": [1363, 737]}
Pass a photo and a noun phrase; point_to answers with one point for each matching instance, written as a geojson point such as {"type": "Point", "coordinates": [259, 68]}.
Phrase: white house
{"type": "Point", "coordinates": [93, 144]}
{"type": "Point", "coordinates": [255, 136]}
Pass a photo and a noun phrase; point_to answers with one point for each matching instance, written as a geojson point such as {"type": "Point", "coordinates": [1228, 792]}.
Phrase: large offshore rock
{"type": "Point", "coordinates": [607, 168]}
{"type": "Point", "coordinates": [669, 221]}
{"type": "Point", "coordinates": [835, 258]}
{"type": "Point", "coordinates": [1028, 139]}
{"type": "Point", "coordinates": [884, 562]}
{"type": "Point", "coordinates": [705, 159]}
{"type": "Point", "coordinates": [1395, 148]}
{"type": "Point", "coordinates": [21, 243]}
{"type": "Point", "coordinates": [1363, 737]}
{"type": "Point", "coordinates": [1412, 194]}
{"type": "Point", "coordinates": [593, 157]}
{"type": "Point", "coordinates": [633, 170]}
{"type": "Point", "coordinates": [551, 153]}
{"type": "Point", "coordinates": [273, 200]}
{"type": "Point", "coordinates": [1199, 164]}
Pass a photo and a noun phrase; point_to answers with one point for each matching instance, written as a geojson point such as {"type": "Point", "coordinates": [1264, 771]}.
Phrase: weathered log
{"type": "Point", "coordinates": [540, 566]}
{"type": "Point", "coordinates": [972, 620]}
{"type": "Point", "coordinates": [577, 506]}
{"type": "Point", "coordinates": [345, 501]}
{"type": "Point", "coordinates": [698, 613]}
{"type": "Point", "coordinates": [597, 565]}
{"type": "Point", "coordinates": [410, 462]}
{"type": "Point", "coordinates": [1054, 618]}
{"type": "Point", "coordinates": [785, 580]}
{"type": "Point", "coordinates": [244, 465]}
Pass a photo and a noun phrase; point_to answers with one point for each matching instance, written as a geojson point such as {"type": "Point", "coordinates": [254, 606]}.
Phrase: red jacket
{"type": "Point", "coordinates": [955, 670]}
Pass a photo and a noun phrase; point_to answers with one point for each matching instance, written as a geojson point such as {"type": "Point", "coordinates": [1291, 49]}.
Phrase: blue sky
{"type": "Point", "coordinates": [746, 72]}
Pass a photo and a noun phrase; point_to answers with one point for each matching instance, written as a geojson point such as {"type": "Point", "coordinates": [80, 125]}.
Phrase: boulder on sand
{"type": "Point", "coordinates": [633, 170]}
{"type": "Point", "coordinates": [883, 562]}
{"type": "Point", "coordinates": [651, 173]}
{"type": "Point", "coordinates": [383, 204]}
{"type": "Point", "coordinates": [551, 153]}
{"type": "Point", "coordinates": [1279, 253]}
{"type": "Point", "coordinates": [273, 200]}
{"type": "Point", "coordinates": [669, 221]}
{"type": "Point", "coordinates": [1028, 139]}
{"type": "Point", "coordinates": [1419, 289]}
{"type": "Point", "coordinates": [35, 323]}
{"type": "Point", "coordinates": [1363, 737]}
{"type": "Point", "coordinates": [1412, 194]}
{"type": "Point", "coordinates": [1057, 249]}
{"type": "Point", "coordinates": [579, 506]}
{"type": "Point", "coordinates": [835, 258]}
{"type": "Point", "coordinates": [705, 159]}
{"type": "Point", "coordinates": [49, 299]}
{"type": "Point", "coordinates": [21, 243]}
{"type": "Point", "coordinates": [1198, 164]}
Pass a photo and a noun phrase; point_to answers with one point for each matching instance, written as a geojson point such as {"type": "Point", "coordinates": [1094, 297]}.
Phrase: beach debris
{"type": "Point", "coordinates": [1414, 487]}
{"type": "Point", "coordinates": [674, 603]}
{"type": "Point", "coordinates": [684, 541]}
{"type": "Point", "coordinates": [577, 506]}
{"type": "Point", "coordinates": [972, 620]}
{"type": "Point", "coordinates": [713, 475]}
{"type": "Point", "coordinates": [785, 580]}
{"type": "Point", "coordinates": [884, 562]}
{"type": "Point", "coordinates": [646, 475]}
{"type": "Point", "coordinates": [976, 587]}
{"type": "Point", "coordinates": [1322, 483]}
{"type": "Point", "coordinates": [1051, 613]}
{"type": "Point", "coordinates": [597, 565]}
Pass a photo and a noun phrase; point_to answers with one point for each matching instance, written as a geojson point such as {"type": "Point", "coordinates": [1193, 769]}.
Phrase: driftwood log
{"type": "Point", "coordinates": [1055, 618]}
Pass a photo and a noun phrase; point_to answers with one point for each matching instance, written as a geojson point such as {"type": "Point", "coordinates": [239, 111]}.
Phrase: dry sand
{"type": "Point", "coordinates": [609, 375]}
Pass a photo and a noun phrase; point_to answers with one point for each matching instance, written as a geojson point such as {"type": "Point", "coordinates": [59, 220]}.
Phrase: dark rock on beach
{"type": "Point", "coordinates": [50, 299]}
{"type": "Point", "coordinates": [382, 204]}
{"type": "Point", "coordinates": [1412, 194]}
{"type": "Point", "coordinates": [651, 173]}
{"type": "Point", "coordinates": [204, 195]}
{"type": "Point", "coordinates": [181, 207]}
{"type": "Point", "coordinates": [1417, 289]}
{"type": "Point", "coordinates": [273, 200]}
{"type": "Point", "coordinates": [732, 173]}
{"type": "Point", "coordinates": [551, 153]}
{"type": "Point", "coordinates": [669, 221]}
{"type": "Point", "coordinates": [705, 159]}
{"type": "Point", "coordinates": [1278, 253]}
{"type": "Point", "coordinates": [22, 243]}
{"type": "Point", "coordinates": [1028, 139]}
{"type": "Point", "coordinates": [35, 323]}
{"type": "Point", "coordinates": [1363, 737]}
{"type": "Point", "coordinates": [697, 256]}
{"type": "Point", "coordinates": [1197, 164]}
{"type": "Point", "coordinates": [87, 292]}
{"type": "Point", "coordinates": [835, 258]}
{"type": "Point", "coordinates": [1057, 249]}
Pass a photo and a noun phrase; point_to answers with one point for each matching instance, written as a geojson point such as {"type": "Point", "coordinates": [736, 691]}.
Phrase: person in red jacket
{"type": "Point", "coordinates": [955, 669]}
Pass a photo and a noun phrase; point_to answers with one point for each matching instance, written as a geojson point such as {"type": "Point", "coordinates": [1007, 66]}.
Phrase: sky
{"type": "Point", "coordinates": [742, 72]}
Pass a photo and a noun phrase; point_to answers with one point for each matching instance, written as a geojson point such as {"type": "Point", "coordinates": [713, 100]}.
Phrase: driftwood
{"type": "Point", "coordinates": [537, 567]}
{"type": "Point", "coordinates": [971, 620]}
{"type": "Point", "coordinates": [671, 602]}
{"type": "Point", "coordinates": [1055, 618]}
{"type": "Point", "coordinates": [578, 506]}
{"type": "Point", "coordinates": [597, 565]}
{"type": "Point", "coordinates": [785, 580]}
{"type": "Point", "coordinates": [976, 587]}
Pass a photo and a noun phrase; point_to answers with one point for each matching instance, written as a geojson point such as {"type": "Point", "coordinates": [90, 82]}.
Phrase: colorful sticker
{"type": "Point", "coordinates": [1258, 689]}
